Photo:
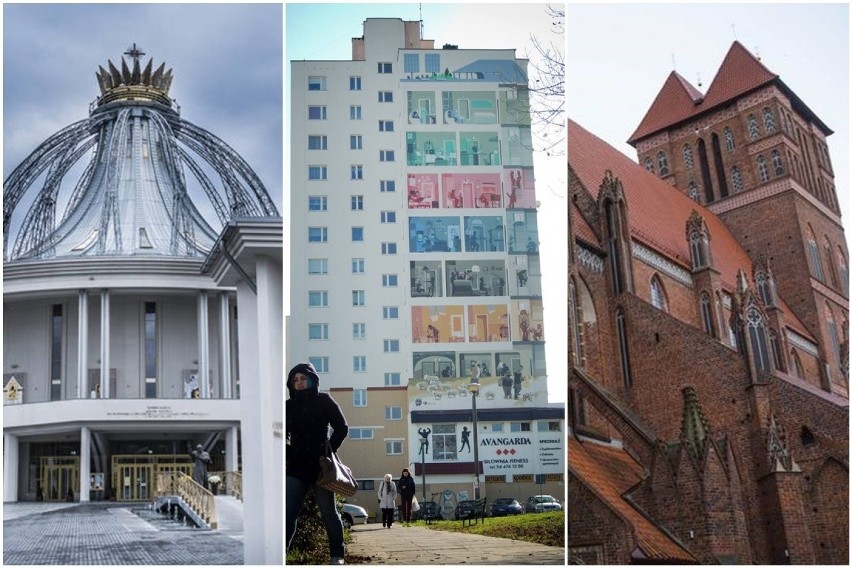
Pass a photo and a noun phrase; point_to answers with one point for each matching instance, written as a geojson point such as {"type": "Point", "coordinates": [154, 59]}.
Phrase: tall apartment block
{"type": "Point", "coordinates": [415, 264]}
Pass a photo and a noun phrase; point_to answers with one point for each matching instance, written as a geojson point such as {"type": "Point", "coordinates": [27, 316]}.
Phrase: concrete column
{"type": "Point", "coordinates": [10, 468]}
{"type": "Point", "coordinates": [261, 399]}
{"type": "Point", "coordinates": [232, 461]}
{"type": "Point", "coordinates": [105, 331]}
{"type": "Point", "coordinates": [82, 344]}
{"type": "Point", "coordinates": [203, 345]}
{"type": "Point", "coordinates": [85, 461]}
{"type": "Point", "coordinates": [225, 345]}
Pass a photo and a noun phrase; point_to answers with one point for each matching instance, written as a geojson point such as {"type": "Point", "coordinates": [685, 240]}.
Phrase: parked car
{"type": "Point", "coordinates": [541, 504]}
{"type": "Point", "coordinates": [353, 515]}
{"type": "Point", "coordinates": [464, 508]}
{"type": "Point", "coordinates": [504, 506]}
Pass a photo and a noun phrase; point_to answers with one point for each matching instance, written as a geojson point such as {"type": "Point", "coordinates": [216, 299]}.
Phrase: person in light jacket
{"type": "Point", "coordinates": [387, 500]}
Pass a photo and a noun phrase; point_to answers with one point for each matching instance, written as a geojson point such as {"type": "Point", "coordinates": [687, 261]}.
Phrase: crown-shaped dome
{"type": "Point", "coordinates": [135, 83]}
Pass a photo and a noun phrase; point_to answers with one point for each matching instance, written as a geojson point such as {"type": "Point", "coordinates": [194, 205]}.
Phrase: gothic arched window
{"type": "Point", "coordinates": [577, 335]}
{"type": "Point", "coordinates": [796, 366]}
{"type": "Point", "coordinates": [649, 164]}
{"type": "Point", "coordinates": [707, 315]}
{"type": "Point", "coordinates": [765, 287]}
{"type": "Point", "coordinates": [829, 261]}
{"type": "Point", "coordinates": [662, 163]}
{"type": "Point", "coordinates": [776, 163]}
{"type": "Point", "coordinates": [729, 140]}
{"type": "Point", "coordinates": [687, 156]}
{"type": "Point", "coordinates": [693, 191]}
{"type": "Point", "coordinates": [753, 130]}
{"type": "Point", "coordinates": [813, 252]}
{"type": "Point", "coordinates": [658, 295]}
{"type": "Point", "coordinates": [699, 247]}
{"type": "Point", "coordinates": [768, 121]}
{"type": "Point", "coordinates": [833, 334]}
{"type": "Point", "coordinates": [736, 179]}
{"type": "Point", "coordinates": [757, 339]}
{"type": "Point", "coordinates": [843, 268]}
{"type": "Point", "coordinates": [762, 170]}
{"type": "Point", "coordinates": [623, 354]}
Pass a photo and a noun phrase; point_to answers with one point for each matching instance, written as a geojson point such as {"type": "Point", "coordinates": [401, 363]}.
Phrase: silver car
{"type": "Point", "coordinates": [353, 515]}
{"type": "Point", "coordinates": [541, 504]}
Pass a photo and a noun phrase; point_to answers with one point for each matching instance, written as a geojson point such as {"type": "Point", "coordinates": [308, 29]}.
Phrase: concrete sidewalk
{"type": "Point", "coordinates": [417, 545]}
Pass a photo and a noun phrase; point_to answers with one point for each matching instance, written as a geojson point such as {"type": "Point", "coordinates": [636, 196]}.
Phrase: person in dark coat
{"type": "Point", "coordinates": [406, 488]}
{"type": "Point", "coordinates": [201, 460]}
{"type": "Point", "coordinates": [309, 413]}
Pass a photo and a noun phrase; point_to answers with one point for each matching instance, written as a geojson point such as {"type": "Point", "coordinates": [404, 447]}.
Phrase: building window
{"type": "Point", "coordinates": [388, 216]}
{"type": "Point", "coordinates": [576, 322]}
{"type": "Point", "coordinates": [753, 131]}
{"type": "Point", "coordinates": [693, 191]}
{"type": "Point", "coordinates": [387, 186]}
{"type": "Point", "coordinates": [411, 63]}
{"type": "Point", "coordinates": [317, 234]}
{"type": "Point", "coordinates": [319, 363]}
{"type": "Point", "coordinates": [393, 413]}
{"type": "Point", "coordinates": [316, 83]}
{"type": "Point", "coordinates": [768, 121]}
{"type": "Point", "coordinates": [765, 287]}
{"type": "Point", "coordinates": [393, 447]}
{"type": "Point", "coordinates": [834, 335]}
{"type": "Point", "coordinates": [796, 367]}
{"type": "Point", "coordinates": [816, 260]}
{"type": "Point", "coordinates": [359, 396]}
{"type": "Point", "coordinates": [56, 325]}
{"type": "Point", "coordinates": [391, 345]}
{"type": "Point", "coordinates": [757, 337]}
{"type": "Point", "coordinates": [318, 298]}
{"type": "Point", "coordinates": [390, 280]}
{"type": "Point", "coordinates": [649, 165]}
{"type": "Point", "coordinates": [843, 269]}
{"type": "Point", "coordinates": [317, 173]}
{"type": "Point", "coordinates": [729, 140]}
{"type": "Point", "coordinates": [354, 83]}
{"type": "Point", "coordinates": [316, 113]}
{"type": "Point", "coordinates": [390, 312]}
{"type": "Point", "coordinates": [355, 112]}
{"type": "Point", "coordinates": [736, 179]}
{"type": "Point", "coordinates": [355, 142]}
{"type": "Point", "coordinates": [663, 163]}
{"type": "Point", "coordinates": [658, 297]}
{"type": "Point", "coordinates": [433, 62]}
{"type": "Point", "coordinates": [150, 350]}
{"type": "Point", "coordinates": [358, 266]}
{"type": "Point", "coordinates": [444, 442]}
{"type": "Point", "coordinates": [707, 315]}
{"type": "Point", "coordinates": [385, 96]}
{"type": "Point", "coordinates": [687, 156]}
{"type": "Point", "coordinates": [357, 203]}
{"type": "Point", "coordinates": [762, 170]}
{"type": "Point", "coordinates": [552, 426]}
{"type": "Point", "coordinates": [777, 355]}
{"type": "Point", "coordinates": [699, 246]}
{"type": "Point", "coordinates": [497, 427]}
{"type": "Point", "coordinates": [317, 142]}
{"type": "Point", "coordinates": [777, 165]}
{"type": "Point", "coordinates": [358, 298]}
{"type": "Point", "coordinates": [388, 248]}
{"type": "Point", "coordinates": [385, 67]}
{"type": "Point", "coordinates": [623, 354]}
{"type": "Point", "coordinates": [385, 126]}
{"type": "Point", "coordinates": [359, 365]}
{"type": "Point", "coordinates": [361, 433]}
{"type": "Point", "coordinates": [318, 331]}
{"type": "Point", "coordinates": [317, 266]}
{"type": "Point", "coordinates": [357, 234]}
{"type": "Point", "coordinates": [393, 379]}
{"type": "Point", "coordinates": [520, 427]}
{"type": "Point", "coordinates": [356, 171]}
{"type": "Point", "coordinates": [386, 155]}
{"type": "Point", "coordinates": [359, 330]}
{"type": "Point", "coordinates": [829, 262]}
{"type": "Point", "coordinates": [317, 203]}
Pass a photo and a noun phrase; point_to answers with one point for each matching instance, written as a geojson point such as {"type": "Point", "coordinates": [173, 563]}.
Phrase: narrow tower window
{"type": "Point", "coordinates": [729, 140]}
{"type": "Point", "coordinates": [687, 156]}
{"type": "Point", "coordinates": [757, 337]}
{"type": "Point", "coordinates": [624, 358]}
{"type": "Point", "coordinates": [777, 164]}
{"type": "Point", "coordinates": [768, 121]}
{"type": "Point", "coordinates": [753, 130]}
{"type": "Point", "coordinates": [663, 163]}
{"type": "Point", "coordinates": [56, 345]}
{"type": "Point", "coordinates": [150, 350]}
{"type": "Point", "coordinates": [736, 179]}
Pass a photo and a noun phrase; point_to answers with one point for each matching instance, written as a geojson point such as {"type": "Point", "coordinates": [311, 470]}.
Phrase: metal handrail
{"type": "Point", "coordinates": [199, 499]}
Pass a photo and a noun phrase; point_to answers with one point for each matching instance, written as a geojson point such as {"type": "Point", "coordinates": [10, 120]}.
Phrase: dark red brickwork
{"type": "Point", "coordinates": [596, 535]}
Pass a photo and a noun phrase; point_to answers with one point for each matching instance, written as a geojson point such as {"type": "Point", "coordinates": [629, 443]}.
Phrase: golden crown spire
{"type": "Point", "coordinates": [134, 83]}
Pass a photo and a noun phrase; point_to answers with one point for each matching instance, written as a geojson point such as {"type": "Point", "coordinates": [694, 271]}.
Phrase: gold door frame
{"type": "Point", "coordinates": [58, 475]}
{"type": "Point", "coordinates": [133, 476]}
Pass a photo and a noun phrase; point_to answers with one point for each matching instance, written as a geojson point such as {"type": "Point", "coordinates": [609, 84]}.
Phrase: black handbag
{"type": "Point", "coordinates": [335, 476]}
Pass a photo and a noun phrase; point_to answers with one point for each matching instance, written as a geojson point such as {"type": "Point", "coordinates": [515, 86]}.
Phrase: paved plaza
{"type": "Point", "coordinates": [108, 534]}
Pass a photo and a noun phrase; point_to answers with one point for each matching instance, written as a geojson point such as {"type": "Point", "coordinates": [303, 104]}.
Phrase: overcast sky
{"type": "Point", "coordinates": [226, 59]}
{"type": "Point", "coordinates": [324, 32]}
{"type": "Point", "coordinates": [619, 56]}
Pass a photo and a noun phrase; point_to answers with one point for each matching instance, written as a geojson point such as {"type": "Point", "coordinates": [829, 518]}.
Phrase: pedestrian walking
{"type": "Point", "coordinates": [387, 500]}
{"type": "Point", "coordinates": [309, 415]}
{"type": "Point", "coordinates": [407, 490]}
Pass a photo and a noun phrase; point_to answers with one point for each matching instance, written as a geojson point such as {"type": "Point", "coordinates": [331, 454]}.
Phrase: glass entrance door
{"type": "Point", "coordinates": [59, 478]}
{"type": "Point", "coordinates": [134, 482]}
{"type": "Point", "coordinates": [134, 476]}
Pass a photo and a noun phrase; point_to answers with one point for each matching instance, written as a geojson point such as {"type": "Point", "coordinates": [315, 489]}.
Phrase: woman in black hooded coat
{"type": "Point", "coordinates": [309, 413]}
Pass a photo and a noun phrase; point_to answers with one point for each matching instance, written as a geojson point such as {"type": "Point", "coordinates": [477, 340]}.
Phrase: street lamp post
{"type": "Point", "coordinates": [474, 391]}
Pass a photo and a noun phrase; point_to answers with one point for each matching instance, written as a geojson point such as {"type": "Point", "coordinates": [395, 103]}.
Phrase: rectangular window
{"type": "Point", "coordinates": [316, 173]}
{"type": "Point", "coordinates": [318, 331]}
{"type": "Point", "coordinates": [318, 298]}
{"type": "Point", "coordinates": [388, 216]}
{"type": "Point", "coordinates": [316, 83]}
{"type": "Point", "coordinates": [354, 83]}
{"type": "Point", "coordinates": [385, 126]}
{"type": "Point", "coordinates": [358, 298]}
{"type": "Point", "coordinates": [361, 433]}
{"type": "Point", "coordinates": [411, 63]}
{"type": "Point", "coordinates": [356, 172]}
{"type": "Point", "coordinates": [317, 266]}
{"type": "Point", "coordinates": [496, 426]}
{"type": "Point", "coordinates": [357, 234]}
{"type": "Point", "coordinates": [359, 331]}
{"type": "Point", "coordinates": [56, 353]}
{"type": "Point", "coordinates": [319, 363]}
{"type": "Point", "coordinates": [390, 312]}
{"type": "Point", "coordinates": [393, 447]}
{"type": "Point", "coordinates": [388, 248]}
{"type": "Point", "coordinates": [317, 234]}
{"type": "Point", "coordinates": [356, 142]}
{"type": "Point", "coordinates": [444, 442]}
{"type": "Point", "coordinates": [386, 155]}
{"type": "Point", "coordinates": [316, 112]}
{"type": "Point", "coordinates": [357, 266]}
{"type": "Point", "coordinates": [393, 379]}
{"type": "Point", "coordinates": [357, 203]}
{"type": "Point", "coordinates": [391, 345]}
{"type": "Point", "coordinates": [385, 97]}
{"type": "Point", "coordinates": [317, 142]}
{"type": "Point", "coordinates": [387, 186]}
{"type": "Point", "coordinates": [393, 413]}
{"type": "Point", "coordinates": [359, 365]}
{"type": "Point", "coordinates": [150, 350]}
{"type": "Point", "coordinates": [433, 62]}
{"type": "Point", "coordinates": [390, 280]}
{"type": "Point", "coordinates": [317, 203]}
{"type": "Point", "coordinates": [519, 427]}
{"type": "Point", "coordinates": [544, 426]}
{"type": "Point", "coordinates": [355, 112]}
{"type": "Point", "coordinates": [385, 67]}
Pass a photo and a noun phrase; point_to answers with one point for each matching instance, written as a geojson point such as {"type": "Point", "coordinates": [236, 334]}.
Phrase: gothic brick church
{"type": "Point", "coordinates": [708, 348]}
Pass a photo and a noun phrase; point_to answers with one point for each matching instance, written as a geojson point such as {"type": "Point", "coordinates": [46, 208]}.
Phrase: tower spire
{"type": "Point", "coordinates": [134, 52]}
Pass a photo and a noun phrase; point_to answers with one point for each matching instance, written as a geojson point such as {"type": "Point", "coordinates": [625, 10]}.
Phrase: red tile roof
{"type": "Point", "coordinates": [609, 473]}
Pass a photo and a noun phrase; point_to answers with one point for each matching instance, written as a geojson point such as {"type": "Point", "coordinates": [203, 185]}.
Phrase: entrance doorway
{"type": "Point", "coordinates": [59, 478]}
{"type": "Point", "coordinates": [133, 476]}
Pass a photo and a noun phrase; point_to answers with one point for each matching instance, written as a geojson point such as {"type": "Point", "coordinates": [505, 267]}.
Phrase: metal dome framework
{"type": "Point", "coordinates": [140, 151]}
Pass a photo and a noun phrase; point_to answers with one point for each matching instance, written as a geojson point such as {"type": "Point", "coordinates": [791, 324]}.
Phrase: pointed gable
{"type": "Point", "coordinates": [740, 73]}
{"type": "Point", "coordinates": [676, 101]}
